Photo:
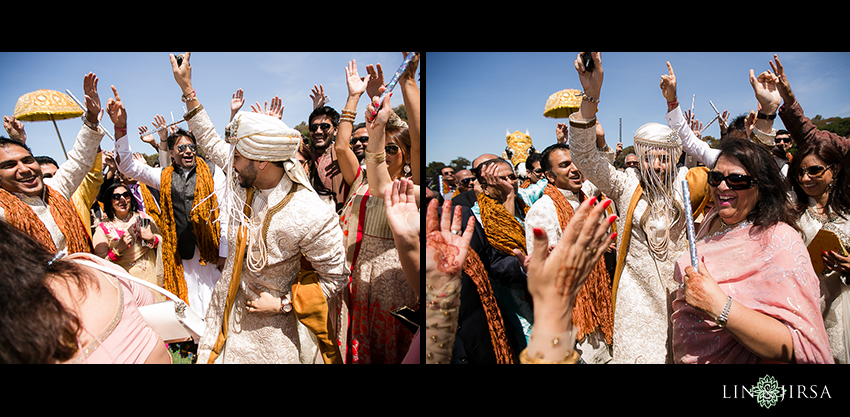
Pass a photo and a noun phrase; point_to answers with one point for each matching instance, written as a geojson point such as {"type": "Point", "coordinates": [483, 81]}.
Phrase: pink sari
{"type": "Point", "coordinates": [769, 272]}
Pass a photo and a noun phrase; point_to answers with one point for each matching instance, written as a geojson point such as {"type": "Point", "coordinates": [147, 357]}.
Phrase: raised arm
{"type": "Point", "coordinates": [410, 94]}
{"type": "Point", "coordinates": [691, 144]}
{"type": "Point", "coordinates": [71, 173]}
{"type": "Point", "coordinates": [348, 163]}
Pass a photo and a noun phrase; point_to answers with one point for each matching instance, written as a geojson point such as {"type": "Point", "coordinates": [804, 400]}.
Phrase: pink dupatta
{"type": "Point", "coordinates": [769, 272]}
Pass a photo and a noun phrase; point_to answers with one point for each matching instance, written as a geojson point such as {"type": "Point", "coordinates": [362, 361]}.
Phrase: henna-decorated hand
{"type": "Point", "coordinates": [446, 246]}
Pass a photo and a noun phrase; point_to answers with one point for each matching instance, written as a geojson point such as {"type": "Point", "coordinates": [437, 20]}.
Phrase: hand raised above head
{"type": "Point", "coordinates": [668, 84]}
{"type": "Point", "coordinates": [92, 98]}
{"type": "Point", "coordinates": [767, 92]}
{"type": "Point", "coordinates": [182, 72]}
{"type": "Point", "coordinates": [782, 84]}
{"type": "Point", "coordinates": [116, 110]}
{"type": "Point", "coordinates": [591, 81]}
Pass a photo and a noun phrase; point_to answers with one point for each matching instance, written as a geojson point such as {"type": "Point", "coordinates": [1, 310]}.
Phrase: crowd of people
{"type": "Point", "coordinates": [685, 254]}
{"type": "Point", "coordinates": [292, 248]}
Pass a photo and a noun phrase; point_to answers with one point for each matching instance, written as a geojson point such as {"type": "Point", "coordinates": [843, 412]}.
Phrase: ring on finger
{"type": "Point", "coordinates": [455, 232]}
{"type": "Point", "coordinates": [591, 250]}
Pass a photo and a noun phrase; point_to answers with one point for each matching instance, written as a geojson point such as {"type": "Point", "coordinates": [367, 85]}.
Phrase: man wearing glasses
{"type": "Point", "coordinates": [781, 151]}
{"type": "Point", "coordinates": [324, 124]}
{"type": "Point", "coordinates": [449, 182]}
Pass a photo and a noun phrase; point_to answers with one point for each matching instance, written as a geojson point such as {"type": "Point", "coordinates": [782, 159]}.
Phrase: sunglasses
{"type": "Point", "coordinates": [315, 126]}
{"type": "Point", "coordinates": [733, 181]}
{"type": "Point", "coordinates": [780, 140]}
{"type": "Point", "coordinates": [117, 197]}
{"type": "Point", "coordinates": [467, 181]}
{"type": "Point", "coordinates": [392, 150]}
{"type": "Point", "coordinates": [538, 171]}
{"type": "Point", "coordinates": [814, 171]}
{"type": "Point", "coordinates": [632, 163]}
{"type": "Point", "coordinates": [182, 148]}
{"type": "Point", "coordinates": [362, 139]}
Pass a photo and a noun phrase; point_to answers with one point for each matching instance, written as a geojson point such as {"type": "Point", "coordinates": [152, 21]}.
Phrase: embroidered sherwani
{"type": "Point", "coordinates": [642, 308]}
{"type": "Point", "coordinates": [543, 214]}
{"type": "Point", "coordinates": [68, 177]}
{"type": "Point", "coordinates": [304, 225]}
{"type": "Point", "coordinates": [834, 291]}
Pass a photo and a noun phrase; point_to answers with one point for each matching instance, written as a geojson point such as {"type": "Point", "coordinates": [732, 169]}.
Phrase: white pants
{"type": "Point", "coordinates": [200, 281]}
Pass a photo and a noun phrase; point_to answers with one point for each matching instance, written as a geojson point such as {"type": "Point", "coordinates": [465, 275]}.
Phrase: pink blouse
{"type": "Point", "coordinates": [127, 339]}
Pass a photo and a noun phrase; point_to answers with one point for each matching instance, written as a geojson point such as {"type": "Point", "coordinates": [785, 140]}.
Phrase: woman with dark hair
{"type": "Point", "coordinates": [367, 330]}
{"type": "Point", "coordinates": [821, 192]}
{"type": "Point", "coordinates": [129, 237]}
{"type": "Point", "coordinates": [754, 297]}
{"type": "Point", "coordinates": [55, 310]}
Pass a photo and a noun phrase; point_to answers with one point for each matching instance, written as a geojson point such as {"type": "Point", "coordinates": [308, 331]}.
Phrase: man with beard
{"type": "Point", "coordinates": [193, 246]}
{"type": "Point", "coordinates": [359, 139]}
{"type": "Point", "coordinates": [278, 225]}
{"type": "Point", "coordinates": [40, 207]}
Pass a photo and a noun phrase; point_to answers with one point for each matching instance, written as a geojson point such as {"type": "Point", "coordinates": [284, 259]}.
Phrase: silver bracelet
{"type": "Point", "coordinates": [721, 321]}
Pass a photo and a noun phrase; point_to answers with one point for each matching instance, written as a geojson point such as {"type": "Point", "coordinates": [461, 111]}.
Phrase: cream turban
{"type": "Point", "coordinates": [263, 138]}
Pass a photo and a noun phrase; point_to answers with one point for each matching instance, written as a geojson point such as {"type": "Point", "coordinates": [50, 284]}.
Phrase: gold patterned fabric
{"type": "Point", "coordinates": [642, 307]}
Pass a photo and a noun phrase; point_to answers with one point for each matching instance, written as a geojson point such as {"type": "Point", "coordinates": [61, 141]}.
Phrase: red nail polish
{"type": "Point", "coordinates": [592, 200]}
{"type": "Point", "coordinates": [614, 235]}
{"type": "Point", "coordinates": [538, 232]}
{"type": "Point", "coordinates": [612, 219]}
{"type": "Point", "coordinates": [606, 204]}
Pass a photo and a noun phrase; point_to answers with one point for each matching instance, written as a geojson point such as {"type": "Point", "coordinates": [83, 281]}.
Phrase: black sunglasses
{"type": "Point", "coordinates": [392, 150]}
{"type": "Point", "coordinates": [362, 139]}
{"type": "Point", "coordinates": [315, 126]}
{"type": "Point", "coordinates": [784, 139]}
{"type": "Point", "coordinates": [733, 181]}
{"type": "Point", "coordinates": [814, 171]}
{"type": "Point", "coordinates": [117, 197]}
{"type": "Point", "coordinates": [467, 181]}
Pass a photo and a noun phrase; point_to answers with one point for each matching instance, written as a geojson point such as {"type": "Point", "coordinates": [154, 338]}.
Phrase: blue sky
{"type": "Point", "coordinates": [147, 87]}
{"type": "Point", "coordinates": [474, 98]}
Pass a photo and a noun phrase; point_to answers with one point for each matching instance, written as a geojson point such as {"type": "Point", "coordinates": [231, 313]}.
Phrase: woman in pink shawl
{"type": "Point", "coordinates": [756, 296]}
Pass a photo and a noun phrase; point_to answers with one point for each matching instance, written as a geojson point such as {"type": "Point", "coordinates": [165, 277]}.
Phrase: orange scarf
{"type": "Point", "coordinates": [503, 231]}
{"type": "Point", "coordinates": [474, 267]}
{"type": "Point", "coordinates": [21, 215]}
{"type": "Point", "coordinates": [206, 232]}
{"type": "Point", "coordinates": [592, 307]}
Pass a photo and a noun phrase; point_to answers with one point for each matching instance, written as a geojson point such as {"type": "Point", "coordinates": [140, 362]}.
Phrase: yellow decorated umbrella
{"type": "Point", "coordinates": [562, 104]}
{"type": "Point", "coordinates": [41, 105]}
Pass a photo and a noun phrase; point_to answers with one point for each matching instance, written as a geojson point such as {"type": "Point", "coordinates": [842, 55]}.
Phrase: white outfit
{"type": "Point", "coordinates": [642, 308]}
{"type": "Point", "coordinates": [305, 225]}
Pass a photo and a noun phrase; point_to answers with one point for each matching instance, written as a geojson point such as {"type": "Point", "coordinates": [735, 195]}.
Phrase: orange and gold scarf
{"type": "Point", "coordinates": [503, 231]}
{"type": "Point", "coordinates": [203, 217]}
{"type": "Point", "coordinates": [592, 307]}
{"type": "Point", "coordinates": [21, 215]}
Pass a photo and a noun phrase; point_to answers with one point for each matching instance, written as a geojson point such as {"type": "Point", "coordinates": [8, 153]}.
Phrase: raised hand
{"type": "Point", "coordinates": [92, 98]}
{"type": "Point", "coordinates": [782, 84]}
{"type": "Point", "coordinates": [115, 109]}
{"type": "Point", "coordinates": [236, 103]}
{"type": "Point", "coordinates": [356, 83]}
{"type": "Point", "coordinates": [376, 85]}
{"type": "Point", "coordinates": [318, 96]}
{"type": "Point", "coordinates": [767, 92]}
{"type": "Point", "coordinates": [591, 81]}
{"type": "Point", "coordinates": [15, 128]}
{"type": "Point", "coordinates": [182, 73]}
{"type": "Point", "coordinates": [668, 84]}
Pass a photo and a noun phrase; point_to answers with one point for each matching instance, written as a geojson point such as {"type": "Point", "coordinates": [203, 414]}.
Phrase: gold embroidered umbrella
{"type": "Point", "coordinates": [562, 104]}
{"type": "Point", "coordinates": [41, 105]}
